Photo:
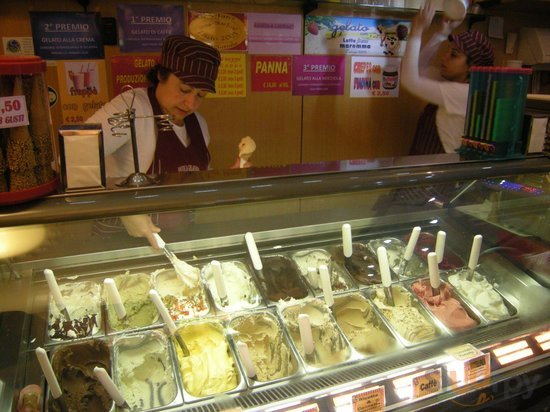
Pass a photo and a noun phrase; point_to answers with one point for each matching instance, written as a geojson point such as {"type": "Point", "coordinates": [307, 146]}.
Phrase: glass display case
{"type": "Point", "coordinates": [327, 324]}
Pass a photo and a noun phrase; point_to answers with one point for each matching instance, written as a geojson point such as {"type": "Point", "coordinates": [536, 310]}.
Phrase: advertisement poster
{"type": "Point", "coordinates": [374, 76]}
{"type": "Point", "coordinates": [82, 87]}
{"type": "Point", "coordinates": [355, 35]}
{"type": "Point", "coordinates": [224, 31]}
{"type": "Point", "coordinates": [18, 46]}
{"type": "Point", "coordinates": [231, 80]}
{"type": "Point", "coordinates": [271, 73]}
{"type": "Point", "coordinates": [143, 28]}
{"type": "Point", "coordinates": [131, 71]}
{"type": "Point", "coordinates": [274, 33]}
{"type": "Point", "coordinates": [318, 75]}
{"type": "Point", "coordinates": [66, 36]}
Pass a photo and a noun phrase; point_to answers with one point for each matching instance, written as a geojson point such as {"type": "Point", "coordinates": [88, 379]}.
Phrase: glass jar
{"type": "Point", "coordinates": [27, 151]}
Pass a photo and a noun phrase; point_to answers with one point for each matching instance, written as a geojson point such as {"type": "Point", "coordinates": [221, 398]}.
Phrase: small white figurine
{"type": "Point", "coordinates": [247, 146]}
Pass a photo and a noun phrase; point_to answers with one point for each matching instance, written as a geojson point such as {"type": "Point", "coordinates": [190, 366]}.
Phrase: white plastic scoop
{"type": "Point", "coordinates": [415, 233]}
{"type": "Point", "coordinates": [114, 297]}
{"type": "Point", "coordinates": [385, 274]}
{"type": "Point", "coordinates": [56, 293]}
{"type": "Point", "coordinates": [172, 329]}
{"type": "Point", "coordinates": [433, 267]}
{"type": "Point", "coordinates": [440, 245]}
{"type": "Point", "coordinates": [306, 336]}
{"type": "Point", "coordinates": [253, 251]}
{"type": "Point", "coordinates": [326, 285]}
{"type": "Point", "coordinates": [474, 255]}
{"type": "Point", "coordinates": [247, 359]}
{"type": "Point", "coordinates": [186, 273]}
{"type": "Point", "coordinates": [104, 378]}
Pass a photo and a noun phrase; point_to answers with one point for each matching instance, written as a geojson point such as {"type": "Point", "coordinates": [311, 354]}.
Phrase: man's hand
{"type": "Point", "coordinates": [141, 226]}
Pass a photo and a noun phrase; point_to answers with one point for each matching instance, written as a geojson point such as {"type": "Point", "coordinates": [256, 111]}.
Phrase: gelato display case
{"type": "Point", "coordinates": [392, 284]}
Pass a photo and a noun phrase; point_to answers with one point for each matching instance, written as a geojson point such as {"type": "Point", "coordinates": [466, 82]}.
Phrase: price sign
{"type": "Point", "coordinates": [371, 399]}
{"type": "Point", "coordinates": [470, 364]}
{"type": "Point", "coordinates": [427, 384]}
{"type": "Point", "coordinates": [13, 112]}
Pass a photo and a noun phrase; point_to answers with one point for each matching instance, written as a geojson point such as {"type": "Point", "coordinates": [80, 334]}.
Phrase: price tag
{"type": "Point", "coordinates": [371, 399]}
{"type": "Point", "coordinates": [477, 368]}
{"type": "Point", "coordinates": [13, 112]}
{"type": "Point", "coordinates": [470, 364]}
{"type": "Point", "coordinates": [427, 384]}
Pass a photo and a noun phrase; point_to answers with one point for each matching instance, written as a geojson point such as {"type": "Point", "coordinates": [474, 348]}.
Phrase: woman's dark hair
{"type": "Point", "coordinates": [157, 73]}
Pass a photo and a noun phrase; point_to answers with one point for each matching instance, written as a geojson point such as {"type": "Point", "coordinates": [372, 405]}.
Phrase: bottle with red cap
{"type": "Point", "coordinates": [27, 150]}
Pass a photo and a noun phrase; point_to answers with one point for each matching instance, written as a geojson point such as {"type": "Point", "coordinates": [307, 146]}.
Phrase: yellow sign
{"type": "Point", "coordinates": [82, 87]}
{"type": "Point", "coordinates": [231, 80]}
{"type": "Point", "coordinates": [427, 384]}
{"type": "Point", "coordinates": [370, 399]}
{"type": "Point", "coordinates": [224, 31]}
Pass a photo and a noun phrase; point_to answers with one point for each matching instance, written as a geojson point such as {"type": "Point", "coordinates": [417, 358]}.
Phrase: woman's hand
{"type": "Point", "coordinates": [423, 18]}
{"type": "Point", "coordinates": [141, 226]}
{"type": "Point", "coordinates": [447, 25]}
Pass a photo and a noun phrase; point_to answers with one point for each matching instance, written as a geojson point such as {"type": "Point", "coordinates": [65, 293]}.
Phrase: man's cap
{"type": "Point", "coordinates": [475, 46]}
{"type": "Point", "coordinates": [195, 63]}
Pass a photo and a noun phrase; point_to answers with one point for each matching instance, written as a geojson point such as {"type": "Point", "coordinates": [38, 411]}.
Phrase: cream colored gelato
{"type": "Point", "coordinates": [210, 367]}
{"type": "Point", "coordinates": [313, 258]}
{"type": "Point", "coordinates": [330, 347]}
{"type": "Point", "coordinates": [481, 294]}
{"type": "Point", "coordinates": [403, 316]}
{"type": "Point", "coordinates": [361, 325]}
{"type": "Point", "coordinates": [239, 286]}
{"type": "Point", "coordinates": [271, 357]}
{"type": "Point", "coordinates": [144, 373]}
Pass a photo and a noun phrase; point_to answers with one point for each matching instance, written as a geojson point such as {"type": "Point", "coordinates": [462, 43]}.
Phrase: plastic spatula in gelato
{"type": "Point", "coordinates": [313, 277]}
{"type": "Point", "coordinates": [326, 286]}
{"type": "Point", "coordinates": [347, 245]}
{"type": "Point", "coordinates": [253, 251]}
{"type": "Point", "coordinates": [110, 387]}
{"type": "Point", "coordinates": [474, 255]}
{"type": "Point", "coordinates": [56, 293]}
{"type": "Point", "coordinates": [415, 233]}
{"type": "Point", "coordinates": [385, 274]}
{"type": "Point", "coordinates": [172, 329]}
{"type": "Point", "coordinates": [188, 274]}
{"type": "Point", "coordinates": [433, 268]}
{"type": "Point", "coordinates": [247, 359]}
{"type": "Point", "coordinates": [220, 283]}
{"type": "Point", "coordinates": [114, 298]}
{"type": "Point", "coordinates": [440, 245]}
{"type": "Point", "coordinates": [53, 384]}
{"type": "Point", "coordinates": [306, 337]}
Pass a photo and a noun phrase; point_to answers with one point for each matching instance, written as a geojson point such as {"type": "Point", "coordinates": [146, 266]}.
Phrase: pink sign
{"type": "Point", "coordinates": [130, 71]}
{"type": "Point", "coordinates": [271, 73]}
{"type": "Point", "coordinates": [318, 75]}
{"type": "Point", "coordinates": [270, 33]}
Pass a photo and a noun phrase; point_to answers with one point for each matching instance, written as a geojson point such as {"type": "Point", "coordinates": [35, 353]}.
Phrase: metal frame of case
{"type": "Point", "coordinates": [380, 198]}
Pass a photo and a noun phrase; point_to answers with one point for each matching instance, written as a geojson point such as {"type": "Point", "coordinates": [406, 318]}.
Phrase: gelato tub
{"type": "Point", "coordinates": [362, 326]}
{"type": "Point", "coordinates": [313, 258]}
{"type": "Point", "coordinates": [83, 302]}
{"type": "Point", "coordinates": [239, 285]}
{"type": "Point", "coordinates": [362, 265]}
{"type": "Point", "coordinates": [446, 306]}
{"type": "Point", "coordinates": [143, 371]}
{"type": "Point", "coordinates": [210, 368]}
{"type": "Point", "coordinates": [272, 356]}
{"type": "Point", "coordinates": [180, 301]}
{"type": "Point", "coordinates": [73, 365]}
{"type": "Point", "coordinates": [280, 279]}
{"type": "Point", "coordinates": [481, 294]}
{"type": "Point", "coordinates": [134, 292]}
{"type": "Point", "coordinates": [407, 317]}
{"type": "Point", "coordinates": [330, 346]}
{"type": "Point", "coordinates": [414, 268]}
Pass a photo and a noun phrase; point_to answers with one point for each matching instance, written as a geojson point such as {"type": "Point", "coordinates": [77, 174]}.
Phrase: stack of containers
{"type": "Point", "coordinates": [494, 117]}
{"type": "Point", "coordinates": [27, 155]}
